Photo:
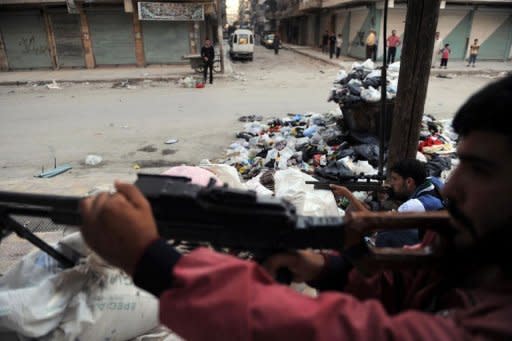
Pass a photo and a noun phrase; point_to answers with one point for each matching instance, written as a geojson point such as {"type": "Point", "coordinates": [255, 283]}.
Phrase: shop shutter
{"type": "Point", "coordinates": [66, 30]}
{"type": "Point", "coordinates": [25, 39]}
{"type": "Point", "coordinates": [165, 41]}
{"type": "Point", "coordinates": [112, 36]}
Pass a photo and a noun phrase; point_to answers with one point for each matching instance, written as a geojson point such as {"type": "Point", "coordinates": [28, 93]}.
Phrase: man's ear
{"type": "Point", "coordinates": [411, 184]}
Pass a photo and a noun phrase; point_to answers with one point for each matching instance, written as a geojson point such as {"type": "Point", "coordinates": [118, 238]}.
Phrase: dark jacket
{"type": "Point", "coordinates": [208, 52]}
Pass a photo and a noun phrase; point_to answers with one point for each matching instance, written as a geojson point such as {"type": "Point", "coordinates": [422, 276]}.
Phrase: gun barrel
{"type": "Point", "coordinates": [61, 209]}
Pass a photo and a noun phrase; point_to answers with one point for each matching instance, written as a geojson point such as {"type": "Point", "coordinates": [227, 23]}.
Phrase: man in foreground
{"type": "Point", "coordinates": [468, 295]}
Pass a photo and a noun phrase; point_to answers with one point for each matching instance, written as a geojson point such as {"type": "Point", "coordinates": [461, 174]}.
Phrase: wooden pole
{"type": "Point", "coordinates": [90, 63]}
{"type": "Point", "coordinates": [139, 43]}
{"type": "Point", "coordinates": [51, 39]}
{"type": "Point", "coordinates": [415, 63]}
{"type": "Point", "coordinates": [4, 63]}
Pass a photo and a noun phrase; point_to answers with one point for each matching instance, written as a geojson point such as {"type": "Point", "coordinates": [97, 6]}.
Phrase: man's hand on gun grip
{"type": "Point", "coordinates": [304, 265]}
{"type": "Point", "coordinates": [119, 226]}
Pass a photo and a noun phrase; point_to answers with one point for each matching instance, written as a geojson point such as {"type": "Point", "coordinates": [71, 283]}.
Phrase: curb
{"type": "Point", "coordinates": [298, 51]}
{"type": "Point", "coordinates": [433, 73]}
{"type": "Point", "coordinates": [106, 80]}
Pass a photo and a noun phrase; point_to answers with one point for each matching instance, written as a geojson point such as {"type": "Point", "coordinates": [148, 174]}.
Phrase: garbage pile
{"type": "Point", "coordinates": [334, 145]}
{"type": "Point", "coordinates": [318, 144]}
{"type": "Point", "coordinates": [362, 84]}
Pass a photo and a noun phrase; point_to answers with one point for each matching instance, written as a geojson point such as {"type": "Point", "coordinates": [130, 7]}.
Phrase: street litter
{"type": "Point", "coordinates": [188, 82]}
{"type": "Point", "coordinates": [123, 84]}
{"type": "Point", "coordinates": [53, 85]}
{"type": "Point", "coordinates": [93, 160]}
{"type": "Point", "coordinates": [54, 172]}
{"type": "Point", "coordinates": [171, 141]}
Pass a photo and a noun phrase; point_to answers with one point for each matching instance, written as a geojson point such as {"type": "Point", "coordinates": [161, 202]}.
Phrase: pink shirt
{"type": "Point", "coordinates": [445, 53]}
{"type": "Point", "coordinates": [218, 297]}
{"type": "Point", "coordinates": [393, 41]}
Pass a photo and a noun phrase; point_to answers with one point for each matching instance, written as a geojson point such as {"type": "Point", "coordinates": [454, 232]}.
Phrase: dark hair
{"type": "Point", "coordinates": [411, 168]}
{"type": "Point", "coordinates": [488, 110]}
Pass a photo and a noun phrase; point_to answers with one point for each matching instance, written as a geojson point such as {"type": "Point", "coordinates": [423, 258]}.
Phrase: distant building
{"type": "Point", "coordinates": [303, 22]}
{"type": "Point", "coordinates": [69, 33]}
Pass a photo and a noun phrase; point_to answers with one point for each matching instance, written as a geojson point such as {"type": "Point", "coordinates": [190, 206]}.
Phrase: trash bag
{"type": "Point", "coordinates": [368, 152]}
{"type": "Point", "coordinates": [370, 95]}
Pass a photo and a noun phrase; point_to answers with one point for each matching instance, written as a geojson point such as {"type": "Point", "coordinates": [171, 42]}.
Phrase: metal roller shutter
{"type": "Point", "coordinates": [66, 30]}
{"type": "Point", "coordinates": [25, 38]}
{"type": "Point", "coordinates": [112, 36]}
{"type": "Point", "coordinates": [165, 42]}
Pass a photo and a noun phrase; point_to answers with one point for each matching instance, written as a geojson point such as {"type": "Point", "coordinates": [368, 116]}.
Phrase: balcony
{"type": "Point", "coordinates": [307, 5]}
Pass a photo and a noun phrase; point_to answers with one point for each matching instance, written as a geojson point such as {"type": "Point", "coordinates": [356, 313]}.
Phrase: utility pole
{"type": "Point", "coordinates": [220, 38]}
{"type": "Point", "coordinates": [415, 63]}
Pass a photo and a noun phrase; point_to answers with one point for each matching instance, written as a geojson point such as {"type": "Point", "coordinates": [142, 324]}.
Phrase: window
{"type": "Point", "coordinates": [252, 39]}
{"type": "Point", "coordinates": [235, 36]}
{"type": "Point", "coordinates": [244, 39]}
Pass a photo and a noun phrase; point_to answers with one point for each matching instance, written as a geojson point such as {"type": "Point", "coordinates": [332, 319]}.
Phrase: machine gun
{"type": "Point", "coordinates": [228, 218]}
{"type": "Point", "coordinates": [362, 182]}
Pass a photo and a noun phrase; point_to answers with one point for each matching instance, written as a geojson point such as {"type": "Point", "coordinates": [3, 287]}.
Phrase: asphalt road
{"type": "Point", "coordinates": [127, 127]}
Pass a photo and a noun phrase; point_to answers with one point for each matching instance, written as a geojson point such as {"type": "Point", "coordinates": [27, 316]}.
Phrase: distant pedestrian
{"type": "Point", "coordinates": [325, 41]}
{"type": "Point", "coordinates": [208, 55]}
{"type": "Point", "coordinates": [393, 43]}
{"type": "Point", "coordinates": [473, 53]}
{"type": "Point", "coordinates": [276, 43]}
{"type": "Point", "coordinates": [438, 44]}
{"type": "Point", "coordinates": [339, 43]}
{"type": "Point", "coordinates": [371, 46]}
{"type": "Point", "coordinates": [445, 54]}
{"type": "Point", "coordinates": [332, 44]}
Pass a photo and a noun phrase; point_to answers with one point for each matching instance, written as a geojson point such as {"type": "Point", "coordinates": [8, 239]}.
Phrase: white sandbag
{"type": "Point", "coordinates": [254, 184]}
{"type": "Point", "coordinates": [91, 301]}
{"type": "Point", "coordinates": [290, 184]}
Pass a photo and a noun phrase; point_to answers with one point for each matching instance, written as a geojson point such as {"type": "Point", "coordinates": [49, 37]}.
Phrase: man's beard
{"type": "Point", "coordinates": [491, 248]}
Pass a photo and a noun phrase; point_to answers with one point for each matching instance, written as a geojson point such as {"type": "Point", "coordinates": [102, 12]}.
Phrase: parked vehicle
{"type": "Point", "coordinates": [267, 40]}
{"type": "Point", "coordinates": [241, 44]}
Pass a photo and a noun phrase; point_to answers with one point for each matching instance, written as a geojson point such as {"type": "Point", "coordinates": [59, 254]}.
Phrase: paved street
{"type": "Point", "coordinates": [128, 126]}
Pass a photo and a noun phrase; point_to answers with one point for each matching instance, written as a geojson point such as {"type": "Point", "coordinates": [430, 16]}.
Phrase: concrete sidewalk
{"type": "Point", "coordinates": [175, 72]}
{"type": "Point", "coordinates": [454, 67]}
{"type": "Point", "coordinates": [106, 74]}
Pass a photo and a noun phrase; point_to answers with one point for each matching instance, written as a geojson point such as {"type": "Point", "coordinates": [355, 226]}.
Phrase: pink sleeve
{"type": "Point", "coordinates": [218, 297]}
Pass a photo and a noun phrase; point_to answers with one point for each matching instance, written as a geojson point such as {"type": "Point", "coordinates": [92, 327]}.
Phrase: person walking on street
{"type": "Point", "coordinates": [339, 42]}
{"type": "Point", "coordinates": [208, 55]}
{"type": "Point", "coordinates": [332, 44]}
{"type": "Point", "coordinates": [445, 54]}
{"type": "Point", "coordinates": [325, 41]}
{"type": "Point", "coordinates": [276, 43]}
{"type": "Point", "coordinates": [371, 46]}
{"type": "Point", "coordinates": [438, 43]}
{"type": "Point", "coordinates": [473, 53]}
{"type": "Point", "coordinates": [393, 43]}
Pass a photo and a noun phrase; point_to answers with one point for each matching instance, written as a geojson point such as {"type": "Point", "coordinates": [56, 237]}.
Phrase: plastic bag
{"type": "Point", "coordinates": [90, 301]}
{"type": "Point", "coordinates": [370, 95]}
{"type": "Point", "coordinates": [290, 184]}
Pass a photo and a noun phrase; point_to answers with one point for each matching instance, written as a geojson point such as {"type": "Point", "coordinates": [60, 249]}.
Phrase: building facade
{"type": "Point", "coordinates": [66, 34]}
{"type": "Point", "coordinates": [303, 22]}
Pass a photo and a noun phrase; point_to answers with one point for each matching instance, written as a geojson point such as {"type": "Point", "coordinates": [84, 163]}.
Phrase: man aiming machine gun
{"type": "Point", "coordinates": [192, 213]}
{"type": "Point", "coordinates": [467, 294]}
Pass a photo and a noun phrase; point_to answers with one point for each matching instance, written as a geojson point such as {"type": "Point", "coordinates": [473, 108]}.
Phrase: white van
{"type": "Point", "coordinates": [241, 44]}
